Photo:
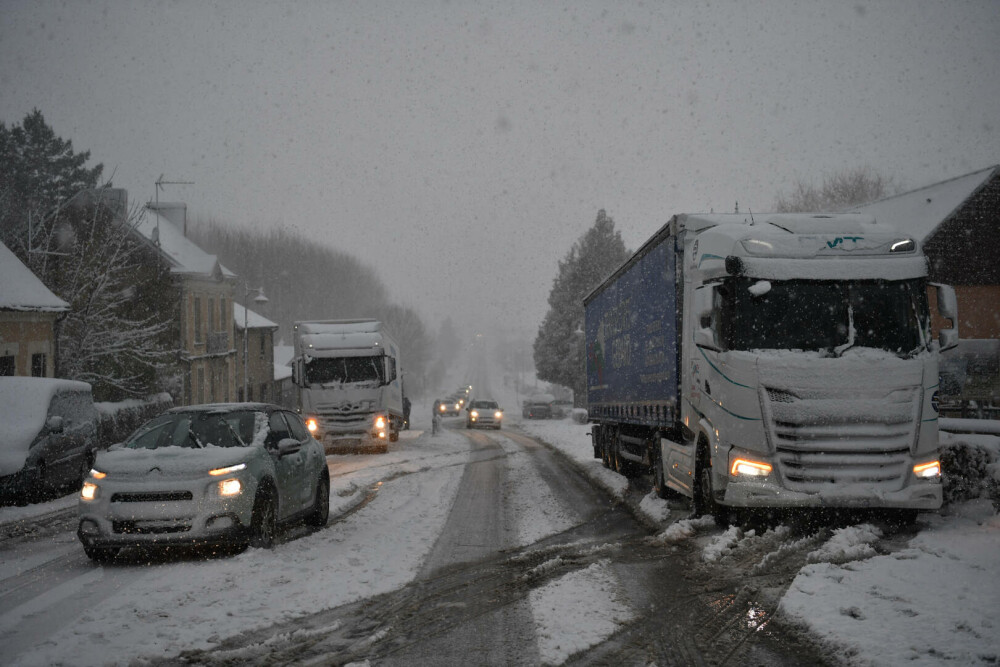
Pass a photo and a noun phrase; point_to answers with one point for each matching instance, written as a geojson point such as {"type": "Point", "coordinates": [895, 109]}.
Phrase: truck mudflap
{"type": "Point", "coordinates": [755, 494]}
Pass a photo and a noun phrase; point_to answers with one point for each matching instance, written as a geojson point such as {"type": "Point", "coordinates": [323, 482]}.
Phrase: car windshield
{"type": "Point", "coordinates": [486, 405]}
{"type": "Point", "coordinates": [830, 316]}
{"type": "Point", "coordinates": [198, 429]}
{"type": "Point", "coordinates": [345, 370]}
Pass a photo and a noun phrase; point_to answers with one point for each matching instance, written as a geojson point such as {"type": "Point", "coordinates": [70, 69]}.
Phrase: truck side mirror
{"type": "Point", "coordinates": [947, 305]}
{"type": "Point", "coordinates": [704, 336]}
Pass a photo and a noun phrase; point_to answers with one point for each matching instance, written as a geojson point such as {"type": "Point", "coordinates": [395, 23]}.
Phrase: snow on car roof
{"type": "Point", "coordinates": [24, 404]}
{"type": "Point", "coordinates": [225, 407]}
{"type": "Point", "coordinates": [20, 289]}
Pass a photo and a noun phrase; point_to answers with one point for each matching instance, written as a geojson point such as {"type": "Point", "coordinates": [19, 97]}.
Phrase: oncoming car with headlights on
{"type": "Point", "coordinates": [486, 414]}
{"type": "Point", "coordinates": [207, 475]}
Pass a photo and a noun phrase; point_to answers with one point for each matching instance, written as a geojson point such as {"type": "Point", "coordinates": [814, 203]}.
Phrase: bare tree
{"type": "Point", "coordinates": [118, 333]}
{"type": "Point", "coordinates": [839, 191]}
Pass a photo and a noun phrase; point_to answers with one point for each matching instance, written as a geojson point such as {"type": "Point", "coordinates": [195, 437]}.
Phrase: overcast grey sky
{"type": "Point", "coordinates": [461, 147]}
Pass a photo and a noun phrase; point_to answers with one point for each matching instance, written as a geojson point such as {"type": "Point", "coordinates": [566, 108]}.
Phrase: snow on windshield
{"type": "Point", "coordinates": [327, 370]}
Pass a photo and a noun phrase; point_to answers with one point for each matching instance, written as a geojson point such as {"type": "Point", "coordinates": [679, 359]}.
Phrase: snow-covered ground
{"type": "Point", "coordinates": [935, 601]}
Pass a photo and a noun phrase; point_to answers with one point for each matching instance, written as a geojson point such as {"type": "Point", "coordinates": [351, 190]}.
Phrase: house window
{"type": "Point", "coordinates": [212, 328]}
{"type": "Point", "coordinates": [7, 365]}
{"type": "Point", "coordinates": [263, 345]}
{"type": "Point", "coordinates": [197, 320]}
{"type": "Point", "coordinates": [38, 365]}
{"type": "Point", "coordinates": [222, 315]}
{"type": "Point", "coordinates": [201, 385]}
{"type": "Point", "coordinates": [263, 392]}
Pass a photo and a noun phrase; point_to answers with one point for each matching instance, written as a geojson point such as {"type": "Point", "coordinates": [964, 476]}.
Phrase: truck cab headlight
{"type": "Point", "coordinates": [929, 470]}
{"type": "Point", "coordinates": [749, 468]}
{"type": "Point", "coordinates": [312, 424]}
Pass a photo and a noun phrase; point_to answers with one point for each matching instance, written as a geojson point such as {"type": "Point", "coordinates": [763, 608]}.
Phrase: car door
{"type": "Point", "coordinates": [287, 468]}
{"type": "Point", "coordinates": [312, 458]}
{"type": "Point", "coordinates": [64, 447]}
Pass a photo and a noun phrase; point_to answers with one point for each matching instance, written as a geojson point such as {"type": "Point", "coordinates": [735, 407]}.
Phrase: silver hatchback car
{"type": "Point", "coordinates": [224, 474]}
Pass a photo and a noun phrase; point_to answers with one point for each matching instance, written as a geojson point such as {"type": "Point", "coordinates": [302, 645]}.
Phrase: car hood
{"type": "Point", "coordinates": [171, 460]}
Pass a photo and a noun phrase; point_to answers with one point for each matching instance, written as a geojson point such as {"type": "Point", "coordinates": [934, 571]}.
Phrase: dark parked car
{"type": "Point", "coordinates": [225, 474]}
{"type": "Point", "coordinates": [48, 436]}
{"type": "Point", "coordinates": [538, 406]}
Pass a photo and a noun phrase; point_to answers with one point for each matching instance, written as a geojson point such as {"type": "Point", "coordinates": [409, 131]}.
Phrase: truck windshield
{"type": "Point", "coordinates": [345, 370]}
{"type": "Point", "coordinates": [830, 316]}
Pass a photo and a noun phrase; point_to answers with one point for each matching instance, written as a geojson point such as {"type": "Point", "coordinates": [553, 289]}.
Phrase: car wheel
{"type": "Point", "coordinates": [101, 554]}
{"type": "Point", "coordinates": [321, 507]}
{"type": "Point", "coordinates": [263, 521]}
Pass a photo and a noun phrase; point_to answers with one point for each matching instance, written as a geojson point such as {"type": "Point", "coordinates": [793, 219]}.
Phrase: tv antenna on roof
{"type": "Point", "coordinates": [160, 183]}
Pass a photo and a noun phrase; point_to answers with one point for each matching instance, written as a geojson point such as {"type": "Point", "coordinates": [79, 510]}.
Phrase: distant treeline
{"type": "Point", "coordinates": [306, 280]}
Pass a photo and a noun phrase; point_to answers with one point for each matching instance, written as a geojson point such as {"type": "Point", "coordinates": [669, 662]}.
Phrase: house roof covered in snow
{"type": "Point", "coordinates": [922, 211]}
{"type": "Point", "coordinates": [184, 256]}
{"type": "Point", "coordinates": [253, 320]}
{"type": "Point", "coordinates": [20, 289]}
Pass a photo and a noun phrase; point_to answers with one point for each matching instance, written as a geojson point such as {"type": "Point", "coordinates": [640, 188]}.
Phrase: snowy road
{"type": "Point", "coordinates": [465, 547]}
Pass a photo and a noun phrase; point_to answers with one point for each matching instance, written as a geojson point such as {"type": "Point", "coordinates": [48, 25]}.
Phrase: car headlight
{"type": "Point", "coordinates": [230, 487]}
{"type": "Point", "coordinates": [89, 491]}
{"type": "Point", "coordinates": [497, 415]}
{"type": "Point", "coordinates": [474, 414]}
{"type": "Point", "coordinates": [443, 407]}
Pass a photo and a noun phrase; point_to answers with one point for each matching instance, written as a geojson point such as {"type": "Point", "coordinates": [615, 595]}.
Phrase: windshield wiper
{"type": "Point", "coordinates": [851, 334]}
{"type": "Point", "coordinates": [195, 439]}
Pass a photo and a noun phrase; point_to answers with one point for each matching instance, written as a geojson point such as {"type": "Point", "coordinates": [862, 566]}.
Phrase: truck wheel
{"type": "Point", "coordinates": [704, 497]}
{"type": "Point", "coordinates": [320, 513]}
{"type": "Point", "coordinates": [659, 478]}
{"type": "Point", "coordinates": [263, 521]}
{"type": "Point", "coordinates": [393, 436]}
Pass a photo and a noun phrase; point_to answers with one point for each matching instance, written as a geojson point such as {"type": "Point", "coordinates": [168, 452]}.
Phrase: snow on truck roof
{"type": "Point", "coordinates": [20, 289]}
{"type": "Point", "coordinates": [338, 326]}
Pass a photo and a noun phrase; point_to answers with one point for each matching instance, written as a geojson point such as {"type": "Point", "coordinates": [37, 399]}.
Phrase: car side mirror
{"type": "Point", "coordinates": [54, 424]}
{"type": "Point", "coordinates": [288, 446]}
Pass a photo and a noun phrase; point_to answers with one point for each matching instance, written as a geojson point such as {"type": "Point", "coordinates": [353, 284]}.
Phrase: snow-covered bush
{"type": "Point", "coordinates": [117, 421]}
{"type": "Point", "coordinates": [969, 470]}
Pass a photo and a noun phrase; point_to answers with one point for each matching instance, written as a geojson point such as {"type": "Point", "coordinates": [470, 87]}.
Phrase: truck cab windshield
{"type": "Point", "coordinates": [344, 370]}
{"type": "Point", "coordinates": [826, 316]}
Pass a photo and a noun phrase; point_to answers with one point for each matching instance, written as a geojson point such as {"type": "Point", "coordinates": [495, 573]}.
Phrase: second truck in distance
{"type": "Point", "coordinates": [348, 380]}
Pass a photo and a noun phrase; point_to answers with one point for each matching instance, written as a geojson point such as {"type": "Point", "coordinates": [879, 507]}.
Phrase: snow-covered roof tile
{"type": "Point", "coordinates": [920, 212]}
{"type": "Point", "coordinates": [20, 289]}
{"type": "Point", "coordinates": [183, 254]}
{"type": "Point", "coordinates": [254, 320]}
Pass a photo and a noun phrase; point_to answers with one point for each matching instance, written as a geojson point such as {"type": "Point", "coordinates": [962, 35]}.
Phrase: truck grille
{"type": "Point", "coordinates": [837, 439]}
{"type": "Point", "coordinates": [344, 417]}
{"type": "Point", "coordinates": [151, 497]}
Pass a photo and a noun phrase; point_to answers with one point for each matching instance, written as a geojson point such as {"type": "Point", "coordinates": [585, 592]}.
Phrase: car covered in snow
{"type": "Point", "coordinates": [484, 414]}
{"type": "Point", "coordinates": [206, 475]}
{"type": "Point", "coordinates": [48, 436]}
{"type": "Point", "coordinates": [538, 406]}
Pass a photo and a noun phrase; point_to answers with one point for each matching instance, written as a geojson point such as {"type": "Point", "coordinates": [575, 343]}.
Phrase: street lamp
{"type": "Point", "coordinates": [259, 299]}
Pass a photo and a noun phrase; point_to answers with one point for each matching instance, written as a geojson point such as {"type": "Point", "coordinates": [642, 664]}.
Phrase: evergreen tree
{"type": "Point", "coordinates": [559, 345]}
{"type": "Point", "coordinates": [39, 172]}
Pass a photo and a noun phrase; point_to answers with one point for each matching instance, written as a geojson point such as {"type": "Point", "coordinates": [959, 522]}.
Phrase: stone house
{"type": "Point", "coordinates": [29, 315]}
{"type": "Point", "coordinates": [258, 361]}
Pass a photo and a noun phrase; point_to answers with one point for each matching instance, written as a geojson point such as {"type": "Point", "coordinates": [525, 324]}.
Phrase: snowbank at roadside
{"type": "Point", "coordinates": [935, 601]}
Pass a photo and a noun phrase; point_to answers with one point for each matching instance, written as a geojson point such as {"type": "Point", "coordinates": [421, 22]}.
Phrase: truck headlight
{"type": "Point", "coordinates": [88, 491]}
{"type": "Point", "coordinates": [929, 470]}
{"type": "Point", "coordinates": [750, 468]}
{"type": "Point", "coordinates": [312, 424]}
{"type": "Point", "coordinates": [380, 422]}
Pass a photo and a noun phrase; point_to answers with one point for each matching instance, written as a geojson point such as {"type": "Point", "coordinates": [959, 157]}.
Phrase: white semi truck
{"type": "Point", "coordinates": [785, 361]}
{"type": "Point", "coordinates": [347, 375]}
